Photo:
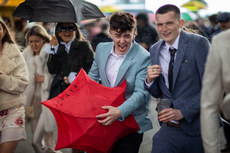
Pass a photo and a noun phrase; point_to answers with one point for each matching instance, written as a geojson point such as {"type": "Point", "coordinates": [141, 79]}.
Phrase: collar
{"type": "Point", "coordinates": [69, 43]}
{"type": "Point", "coordinates": [174, 45]}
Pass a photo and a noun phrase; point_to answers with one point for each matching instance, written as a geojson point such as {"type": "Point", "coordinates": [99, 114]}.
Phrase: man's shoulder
{"type": "Point", "coordinates": [140, 50]}
{"type": "Point", "coordinates": [224, 35]}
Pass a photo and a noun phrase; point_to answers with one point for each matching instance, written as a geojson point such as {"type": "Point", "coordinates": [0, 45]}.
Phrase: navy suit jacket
{"type": "Point", "coordinates": [187, 78]}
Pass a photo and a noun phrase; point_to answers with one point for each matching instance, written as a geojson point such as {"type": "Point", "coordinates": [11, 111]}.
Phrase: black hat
{"type": "Point", "coordinates": [223, 17]}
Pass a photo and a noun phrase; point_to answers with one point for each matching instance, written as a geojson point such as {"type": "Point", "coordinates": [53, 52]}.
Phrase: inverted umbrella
{"type": "Point", "coordinates": [57, 11]}
{"type": "Point", "coordinates": [75, 111]}
{"type": "Point", "coordinates": [195, 5]}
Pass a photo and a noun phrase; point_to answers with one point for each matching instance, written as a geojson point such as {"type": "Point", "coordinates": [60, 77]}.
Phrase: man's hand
{"type": "Point", "coordinates": [153, 72]}
{"type": "Point", "coordinates": [168, 114]}
{"type": "Point", "coordinates": [112, 115]}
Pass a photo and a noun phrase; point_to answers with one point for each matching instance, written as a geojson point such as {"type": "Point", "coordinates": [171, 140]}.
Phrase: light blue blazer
{"type": "Point", "coordinates": [134, 70]}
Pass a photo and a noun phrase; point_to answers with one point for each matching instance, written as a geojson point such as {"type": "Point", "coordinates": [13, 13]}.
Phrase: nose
{"type": "Point", "coordinates": [122, 40]}
{"type": "Point", "coordinates": [32, 44]}
{"type": "Point", "coordinates": [164, 27]}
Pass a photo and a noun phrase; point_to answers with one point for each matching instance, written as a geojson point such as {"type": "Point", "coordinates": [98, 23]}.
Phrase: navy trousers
{"type": "Point", "coordinates": [173, 140]}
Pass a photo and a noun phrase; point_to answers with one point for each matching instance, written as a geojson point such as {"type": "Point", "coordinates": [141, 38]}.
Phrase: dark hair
{"type": "Point", "coordinates": [7, 37]}
{"type": "Point", "coordinates": [213, 19]}
{"type": "Point", "coordinates": [122, 22]}
{"type": "Point", "coordinates": [78, 35]}
{"type": "Point", "coordinates": [168, 8]}
{"type": "Point", "coordinates": [19, 24]}
{"type": "Point", "coordinates": [38, 30]}
{"type": "Point", "coordinates": [143, 16]}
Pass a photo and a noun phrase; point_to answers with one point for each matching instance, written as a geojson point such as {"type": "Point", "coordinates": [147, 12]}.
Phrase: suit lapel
{"type": "Point", "coordinates": [157, 59]}
{"type": "Point", "coordinates": [106, 54]}
{"type": "Point", "coordinates": [182, 46]}
{"type": "Point", "coordinates": [125, 64]}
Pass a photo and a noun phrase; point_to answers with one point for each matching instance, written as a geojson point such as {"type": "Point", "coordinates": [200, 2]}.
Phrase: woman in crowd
{"type": "Point", "coordinates": [38, 88]}
{"type": "Point", "coordinates": [13, 82]}
{"type": "Point", "coordinates": [69, 52]}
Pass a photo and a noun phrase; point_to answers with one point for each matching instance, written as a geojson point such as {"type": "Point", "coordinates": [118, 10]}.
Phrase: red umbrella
{"type": "Point", "coordinates": [75, 111]}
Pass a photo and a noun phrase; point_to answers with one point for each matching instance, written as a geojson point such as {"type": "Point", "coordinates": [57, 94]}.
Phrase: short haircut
{"type": "Point", "coordinates": [213, 19]}
{"type": "Point", "coordinates": [122, 22]}
{"type": "Point", "coordinates": [169, 8]}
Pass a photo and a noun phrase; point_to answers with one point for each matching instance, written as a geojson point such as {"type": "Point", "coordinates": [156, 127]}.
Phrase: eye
{"type": "Point", "coordinates": [127, 36]}
{"type": "Point", "coordinates": [117, 35]}
{"type": "Point", "coordinates": [159, 24]}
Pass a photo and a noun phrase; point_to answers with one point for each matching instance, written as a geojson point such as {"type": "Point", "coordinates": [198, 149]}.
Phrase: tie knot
{"type": "Point", "coordinates": [172, 51]}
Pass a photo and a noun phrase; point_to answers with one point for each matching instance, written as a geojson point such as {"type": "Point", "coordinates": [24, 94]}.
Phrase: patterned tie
{"type": "Point", "coordinates": [171, 63]}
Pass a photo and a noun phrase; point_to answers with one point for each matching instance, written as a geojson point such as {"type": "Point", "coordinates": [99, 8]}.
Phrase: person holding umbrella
{"type": "Point", "coordinates": [123, 59]}
{"type": "Point", "coordinates": [69, 52]}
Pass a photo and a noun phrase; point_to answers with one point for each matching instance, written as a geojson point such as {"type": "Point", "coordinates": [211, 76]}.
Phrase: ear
{"type": "Point", "coordinates": [181, 23]}
{"type": "Point", "coordinates": [134, 34]}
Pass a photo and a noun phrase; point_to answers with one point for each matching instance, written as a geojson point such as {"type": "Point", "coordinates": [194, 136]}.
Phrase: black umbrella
{"type": "Point", "coordinates": [57, 11]}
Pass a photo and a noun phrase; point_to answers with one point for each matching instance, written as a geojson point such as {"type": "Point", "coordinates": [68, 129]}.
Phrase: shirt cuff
{"type": "Point", "coordinates": [51, 49]}
{"type": "Point", "coordinates": [148, 84]}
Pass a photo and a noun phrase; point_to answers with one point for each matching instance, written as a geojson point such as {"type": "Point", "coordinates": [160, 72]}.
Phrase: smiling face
{"type": "Point", "coordinates": [122, 41]}
{"type": "Point", "coordinates": [168, 26]}
{"type": "Point", "coordinates": [66, 32]}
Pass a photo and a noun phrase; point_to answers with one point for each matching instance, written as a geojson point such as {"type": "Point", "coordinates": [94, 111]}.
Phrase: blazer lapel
{"type": "Point", "coordinates": [106, 54]}
{"type": "Point", "coordinates": [157, 59]}
{"type": "Point", "coordinates": [125, 64]}
{"type": "Point", "coordinates": [182, 46]}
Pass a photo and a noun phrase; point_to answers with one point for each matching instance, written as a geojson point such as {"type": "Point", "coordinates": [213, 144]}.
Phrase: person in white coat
{"type": "Point", "coordinates": [41, 119]}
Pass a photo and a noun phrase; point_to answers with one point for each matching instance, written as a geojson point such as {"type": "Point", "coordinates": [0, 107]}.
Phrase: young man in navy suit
{"type": "Point", "coordinates": [176, 71]}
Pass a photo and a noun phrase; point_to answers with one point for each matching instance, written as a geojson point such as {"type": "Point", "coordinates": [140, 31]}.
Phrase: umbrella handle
{"type": "Point", "coordinates": [53, 34]}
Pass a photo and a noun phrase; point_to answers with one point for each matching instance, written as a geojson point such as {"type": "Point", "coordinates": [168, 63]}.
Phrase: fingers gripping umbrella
{"type": "Point", "coordinates": [75, 111]}
{"type": "Point", "coordinates": [57, 11]}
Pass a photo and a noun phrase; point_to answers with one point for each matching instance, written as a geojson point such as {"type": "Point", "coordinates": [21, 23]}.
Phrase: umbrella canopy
{"type": "Point", "coordinates": [57, 11]}
{"type": "Point", "coordinates": [186, 16]}
{"type": "Point", "coordinates": [109, 9]}
{"type": "Point", "coordinates": [75, 111]}
{"type": "Point", "coordinates": [195, 5]}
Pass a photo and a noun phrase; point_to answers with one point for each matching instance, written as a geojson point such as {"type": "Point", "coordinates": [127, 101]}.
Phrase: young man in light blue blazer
{"type": "Point", "coordinates": [118, 60]}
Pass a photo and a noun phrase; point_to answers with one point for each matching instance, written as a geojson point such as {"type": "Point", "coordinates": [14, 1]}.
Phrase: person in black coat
{"type": "Point", "coordinates": [146, 34]}
{"type": "Point", "coordinates": [69, 52]}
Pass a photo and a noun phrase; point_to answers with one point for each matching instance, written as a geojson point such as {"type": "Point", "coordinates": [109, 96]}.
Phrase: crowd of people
{"type": "Point", "coordinates": [184, 62]}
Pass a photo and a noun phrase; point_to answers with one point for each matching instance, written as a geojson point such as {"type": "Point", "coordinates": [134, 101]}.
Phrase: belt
{"type": "Point", "coordinates": [173, 124]}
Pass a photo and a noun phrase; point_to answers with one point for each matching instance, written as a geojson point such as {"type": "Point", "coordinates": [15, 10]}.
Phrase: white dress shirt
{"type": "Point", "coordinates": [113, 64]}
{"type": "Point", "coordinates": [164, 59]}
{"type": "Point", "coordinates": [67, 47]}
